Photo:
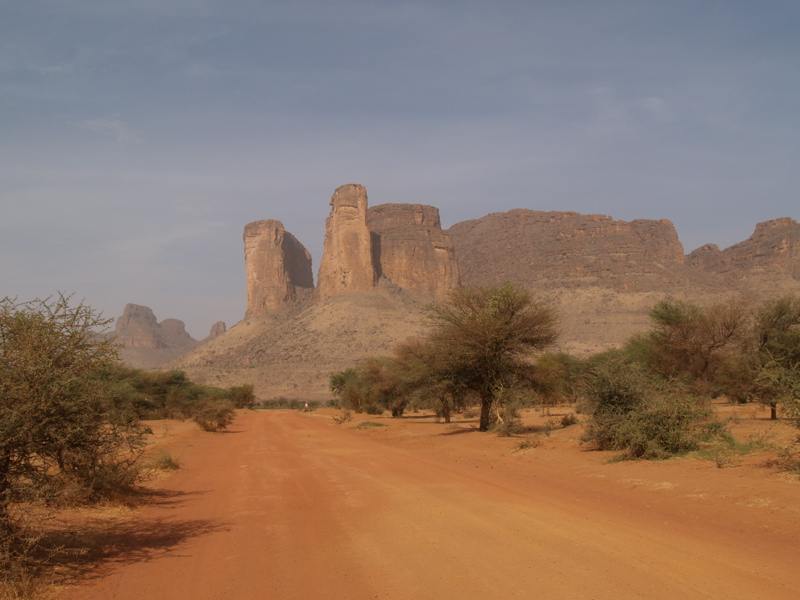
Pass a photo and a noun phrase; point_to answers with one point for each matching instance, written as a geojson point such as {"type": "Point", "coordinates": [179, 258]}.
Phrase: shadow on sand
{"type": "Point", "coordinates": [82, 553]}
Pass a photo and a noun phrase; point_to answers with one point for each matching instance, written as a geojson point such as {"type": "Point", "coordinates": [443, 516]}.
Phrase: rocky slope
{"type": "Point", "coordinates": [294, 357]}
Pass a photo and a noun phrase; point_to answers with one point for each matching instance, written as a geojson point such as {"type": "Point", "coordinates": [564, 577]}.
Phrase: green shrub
{"type": "Point", "coordinates": [369, 425]}
{"type": "Point", "coordinates": [661, 427]}
{"type": "Point", "coordinates": [215, 416]}
{"type": "Point", "coordinates": [242, 396]}
{"type": "Point", "coordinates": [508, 426]}
{"type": "Point", "coordinates": [630, 410]}
{"type": "Point", "coordinates": [569, 419]}
{"type": "Point", "coordinates": [61, 438]}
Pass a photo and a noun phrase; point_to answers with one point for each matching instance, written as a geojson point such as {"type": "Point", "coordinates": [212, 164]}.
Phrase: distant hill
{"type": "Point", "coordinates": [147, 344]}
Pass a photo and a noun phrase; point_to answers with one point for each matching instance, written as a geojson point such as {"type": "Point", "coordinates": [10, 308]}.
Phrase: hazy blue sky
{"type": "Point", "coordinates": [138, 137]}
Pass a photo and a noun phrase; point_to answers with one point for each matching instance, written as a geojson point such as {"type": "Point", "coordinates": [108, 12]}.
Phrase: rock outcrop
{"type": "Point", "coordinates": [401, 243]}
{"type": "Point", "coordinates": [277, 268]}
{"type": "Point", "coordinates": [382, 264]}
{"type": "Point", "coordinates": [138, 328]}
{"type": "Point", "coordinates": [146, 343]}
{"type": "Point", "coordinates": [411, 250]}
{"type": "Point", "coordinates": [545, 250]}
{"type": "Point", "coordinates": [774, 248]}
{"type": "Point", "coordinates": [217, 329]}
{"type": "Point", "coordinates": [347, 264]}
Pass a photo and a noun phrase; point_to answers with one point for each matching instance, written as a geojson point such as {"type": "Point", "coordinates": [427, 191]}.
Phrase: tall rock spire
{"type": "Point", "coordinates": [347, 264]}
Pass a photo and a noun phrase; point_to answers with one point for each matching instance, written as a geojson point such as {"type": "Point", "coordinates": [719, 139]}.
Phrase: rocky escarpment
{"type": "Point", "coordinates": [277, 267]}
{"type": "Point", "coordinates": [410, 249]}
{"type": "Point", "coordinates": [382, 264]}
{"type": "Point", "coordinates": [773, 248]}
{"type": "Point", "coordinates": [138, 328]}
{"type": "Point", "coordinates": [547, 250]}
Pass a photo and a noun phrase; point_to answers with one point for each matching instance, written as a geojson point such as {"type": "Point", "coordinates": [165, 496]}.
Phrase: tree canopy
{"type": "Point", "coordinates": [479, 344]}
{"type": "Point", "coordinates": [56, 432]}
{"type": "Point", "coordinates": [483, 338]}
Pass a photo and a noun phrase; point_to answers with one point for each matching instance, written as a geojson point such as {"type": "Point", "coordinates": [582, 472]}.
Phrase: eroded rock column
{"type": "Point", "coordinates": [346, 264]}
{"type": "Point", "coordinates": [276, 265]}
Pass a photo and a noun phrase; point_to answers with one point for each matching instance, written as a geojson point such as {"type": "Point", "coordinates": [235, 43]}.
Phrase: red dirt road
{"type": "Point", "coordinates": [289, 505]}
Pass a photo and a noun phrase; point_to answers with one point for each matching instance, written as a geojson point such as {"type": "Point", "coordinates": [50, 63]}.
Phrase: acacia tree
{"type": "Point", "coordinates": [56, 432]}
{"type": "Point", "coordinates": [423, 374]}
{"type": "Point", "coordinates": [691, 340]}
{"type": "Point", "coordinates": [483, 338]}
{"type": "Point", "coordinates": [777, 334]}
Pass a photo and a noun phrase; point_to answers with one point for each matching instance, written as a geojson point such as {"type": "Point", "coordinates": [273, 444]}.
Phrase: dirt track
{"type": "Point", "coordinates": [290, 505]}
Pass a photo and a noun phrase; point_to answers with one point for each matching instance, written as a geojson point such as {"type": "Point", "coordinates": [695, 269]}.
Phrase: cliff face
{"type": "Point", "coordinates": [138, 328]}
{"type": "Point", "coordinates": [602, 275]}
{"type": "Point", "coordinates": [276, 267]}
{"type": "Point", "coordinates": [774, 248]}
{"type": "Point", "coordinates": [347, 264]}
{"type": "Point", "coordinates": [402, 243]}
{"type": "Point", "coordinates": [566, 249]}
{"type": "Point", "coordinates": [410, 249]}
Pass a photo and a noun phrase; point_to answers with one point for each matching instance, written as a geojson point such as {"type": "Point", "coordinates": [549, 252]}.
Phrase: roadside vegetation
{"type": "Point", "coordinates": [71, 413]}
{"type": "Point", "coordinates": [70, 431]}
{"type": "Point", "coordinates": [650, 399]}
{"type": "Point", "coordinates": [477, 350]}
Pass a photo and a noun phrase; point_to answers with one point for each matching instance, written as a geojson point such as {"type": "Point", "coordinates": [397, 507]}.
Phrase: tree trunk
{"type": "Point", "coordinates": [486, 414]}
{"type": "Point", "coordinates": [773, 411]}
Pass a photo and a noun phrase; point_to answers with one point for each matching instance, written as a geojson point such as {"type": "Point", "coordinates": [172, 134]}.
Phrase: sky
{"type": "Point", "coordinates": [139, 137]}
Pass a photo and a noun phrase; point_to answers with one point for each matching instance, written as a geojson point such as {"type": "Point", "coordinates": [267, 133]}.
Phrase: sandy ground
{"type": "Point", "coordinates": [291, 505]}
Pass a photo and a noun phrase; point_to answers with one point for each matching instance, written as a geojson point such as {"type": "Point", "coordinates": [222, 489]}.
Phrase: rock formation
{"type": "Point", "coordinates": [602, 275]}
{"type": "Point", "coordinates": [774, 247]}
{"type": "Point", "coordinates": [545, 250]}
{"type": "Point", "coordinates": [401, 243]}
{"type": "Point", "coordinates": [146, 343]}
{"type": "Point", "coordinates": [347, 263]}
{"type": "Point", "coordinates": [173, 334]}
{"type": "Point", "coordinates": [277, 266]}
{"type": "Point", "coordinates": [410, 249]}
{"type": "Point", "coordinates": [217, 329]}
{"type": "Point", "coordinates": [138, 328]}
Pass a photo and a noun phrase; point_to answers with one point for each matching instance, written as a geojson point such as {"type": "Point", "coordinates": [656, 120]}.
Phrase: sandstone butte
{"type": "Point", "coordinates": [146, 343]}
{"type": "Point", "coordinates": [382, 264]}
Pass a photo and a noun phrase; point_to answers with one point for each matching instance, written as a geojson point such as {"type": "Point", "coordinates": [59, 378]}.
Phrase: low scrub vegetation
{"type": "Point", "coordinates": [281, 403]}
{"type": "Point", "coordinates": [166, 394]}
{"type": "Point", "coordinates": [70, 431]}
{"type": "Point", "coordinates": [215, 415]}
{"type": "Point", "coordinates": [478, 351]}
{"type": "Point", "coordinates": [345, 417]}
{"type": "Point", "coordinates": [631, 410]}
{"type": "Point", "coordinates": [647, 400]}
{"type": "Point", "coordinates": [164, 461]}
